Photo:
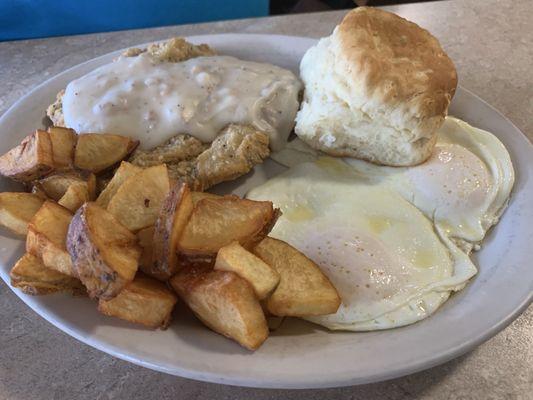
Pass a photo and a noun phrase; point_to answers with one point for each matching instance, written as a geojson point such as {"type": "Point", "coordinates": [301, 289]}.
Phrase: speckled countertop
{"type": "Point", "coordinates": [491, 42]}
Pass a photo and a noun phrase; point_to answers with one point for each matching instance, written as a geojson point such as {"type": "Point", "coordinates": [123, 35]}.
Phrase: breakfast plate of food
{"type": "Point", "coordinates": [269, 211]}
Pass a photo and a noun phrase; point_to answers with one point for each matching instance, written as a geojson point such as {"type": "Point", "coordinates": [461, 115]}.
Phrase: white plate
{"type": "Point", "coordinates": [300, 354]}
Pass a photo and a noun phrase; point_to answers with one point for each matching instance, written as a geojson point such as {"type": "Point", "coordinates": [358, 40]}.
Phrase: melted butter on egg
{"type": "Point", "coordinates": [299, 213]}
{"type": "Point", "coordinates": [378, 223]}
{"type": "Point", "coordinates": [423, 259]}
{"type": "Point", "coordinates": [334, 165]}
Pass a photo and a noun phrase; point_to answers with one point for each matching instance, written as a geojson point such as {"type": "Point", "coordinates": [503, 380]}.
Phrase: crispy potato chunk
{"type": "Point", "coordinates": [63, 144]}
{"type": "Point", "coordinates": [146, 241]}
{"type": "Point", "coordinates": [137, 202]}
{"type": "Point", "coordinates": [17, 209]}
{"type": "Point", "coordinates": [144, 301]}
{"type": "Point", "coordinates": [30, 160]}
{"type": "Point", "coordinates": [104, 253]}
{"type": "Point", "coordinates": [303, 289]}
{"type": "Point", "coordinates": [260, 275]}
{"type": "Point", "coordinates": [75, 196]}
{"type": "Point", "coordinates": [225, 302]}
{"type": "Point", "coordinates": [173, 216]}
{"type": "Point", "coordinates": [197, 196]}
{"type": "Point", "coordinates": [216, 222]}
{"type": "Point", "coordinates": [31, 276]}
{"type": "Point", "coordinates": [56, 185]}
{"type": "Point", "coordinates": [124, 171]}
{"type": "Point", "coordinates": [96, 152]}
{"type": "Point", "coordinates": [47, 233]}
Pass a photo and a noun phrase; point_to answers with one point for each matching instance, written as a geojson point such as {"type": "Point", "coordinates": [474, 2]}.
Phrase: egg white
{"type": "Point", "coordinates": [389, 263]}
{"type": "Point", "coordinates": [464, 187]}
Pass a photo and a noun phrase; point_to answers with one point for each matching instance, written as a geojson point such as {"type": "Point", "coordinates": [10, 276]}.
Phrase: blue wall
{"type": "Point", "coordinates": [21, 19]}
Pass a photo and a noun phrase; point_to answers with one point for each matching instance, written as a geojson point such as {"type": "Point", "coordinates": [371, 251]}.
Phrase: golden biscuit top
{"type": "Point", "coordinates": [395, 61]}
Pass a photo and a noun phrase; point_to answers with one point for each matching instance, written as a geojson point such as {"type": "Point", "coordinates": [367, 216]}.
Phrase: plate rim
{"type": "Point", "coordinates": [217, 377]}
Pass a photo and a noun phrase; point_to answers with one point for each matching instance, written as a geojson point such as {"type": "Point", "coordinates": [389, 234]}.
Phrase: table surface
{"type": "Point", "coordinates": [491, 44]}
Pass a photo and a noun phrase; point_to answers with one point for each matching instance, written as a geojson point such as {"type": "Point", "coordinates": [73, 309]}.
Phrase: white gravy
{"type": "Point", "coordinates": [152, 101]}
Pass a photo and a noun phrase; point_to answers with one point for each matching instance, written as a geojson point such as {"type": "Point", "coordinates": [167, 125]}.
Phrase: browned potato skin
{"type": "Point", "coordinates": [17, 209]}
{"type": "Point", "coordinates": [173, 216]}
{"type": "Point", "coordinates": [217, 222]}
{"type": "Point", "coordinates": [31, 276]}
{"type": "Point", "coordinates": [100, 278]}
{"type": "Point", "coordinates": [30, 160]}
{"type": "Point", "coordinates": [303, 289]}
{"type": "Point", "coordinates": [143, 301]}
{"type": "Point", "coordinates": [224, 302]}
{"type": "Point", "coordinates": [97, 152]}
{"type": "Point", "coordinates": [47, 234]}
{"type": "Point", "coordinates": [63, 144]}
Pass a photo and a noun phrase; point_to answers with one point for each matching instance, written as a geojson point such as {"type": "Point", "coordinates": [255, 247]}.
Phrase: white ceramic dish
{"type": "Point", "coordinates": [300, 354]}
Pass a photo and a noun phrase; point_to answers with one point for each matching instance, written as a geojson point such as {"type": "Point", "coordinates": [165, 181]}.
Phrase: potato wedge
{"type": "Point", "coordinates": [105, 254]}
{"type": "Point", "coordinates": [173, 217]}
{"type": "Point", "coordinates": [30, 160]}
{"type": "Point", "coordinates": [261, 276]}
{"type": "Point", "coordinates": [31, 276]}
{"type": "Point", "coordinates": [197, 196]}
{"type": "Point", "coordinates": [96, 152]}
{"type": "Point", "coordinates": [217, 222]}
{"type": "Point", "coordinates": [224, 302]}
{"type": "Point", "coordinates": [303, 289]}
{"type": "Point", "coordinates": [75, 196]}
{"type": "Point", "coordinates": [63, 144]}
{"type": "Point", "coordinates": [56, 185]}
{"type": "Point", "coordinates": [123, 172]}
{"type": "Point", "coordinates": [17, 209]}
{"type": "Point", "coordinates": [143, 301]}
{"type": "Point", "coordinates": [146, 241]}
{"type": "Point", "coordinates": [137, 201]}
{"type": "Point", "coordinates": [47, 234]}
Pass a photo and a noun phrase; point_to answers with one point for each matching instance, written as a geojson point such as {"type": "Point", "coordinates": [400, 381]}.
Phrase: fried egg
{"type": "Point", "coordinates": [463, 187]}
{"type": "Point", "coordinates": [390, 264]}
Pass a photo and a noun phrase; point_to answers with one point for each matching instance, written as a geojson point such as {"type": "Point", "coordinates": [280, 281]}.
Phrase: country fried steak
{"type": "Point", "coordinates": [234, 152]}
